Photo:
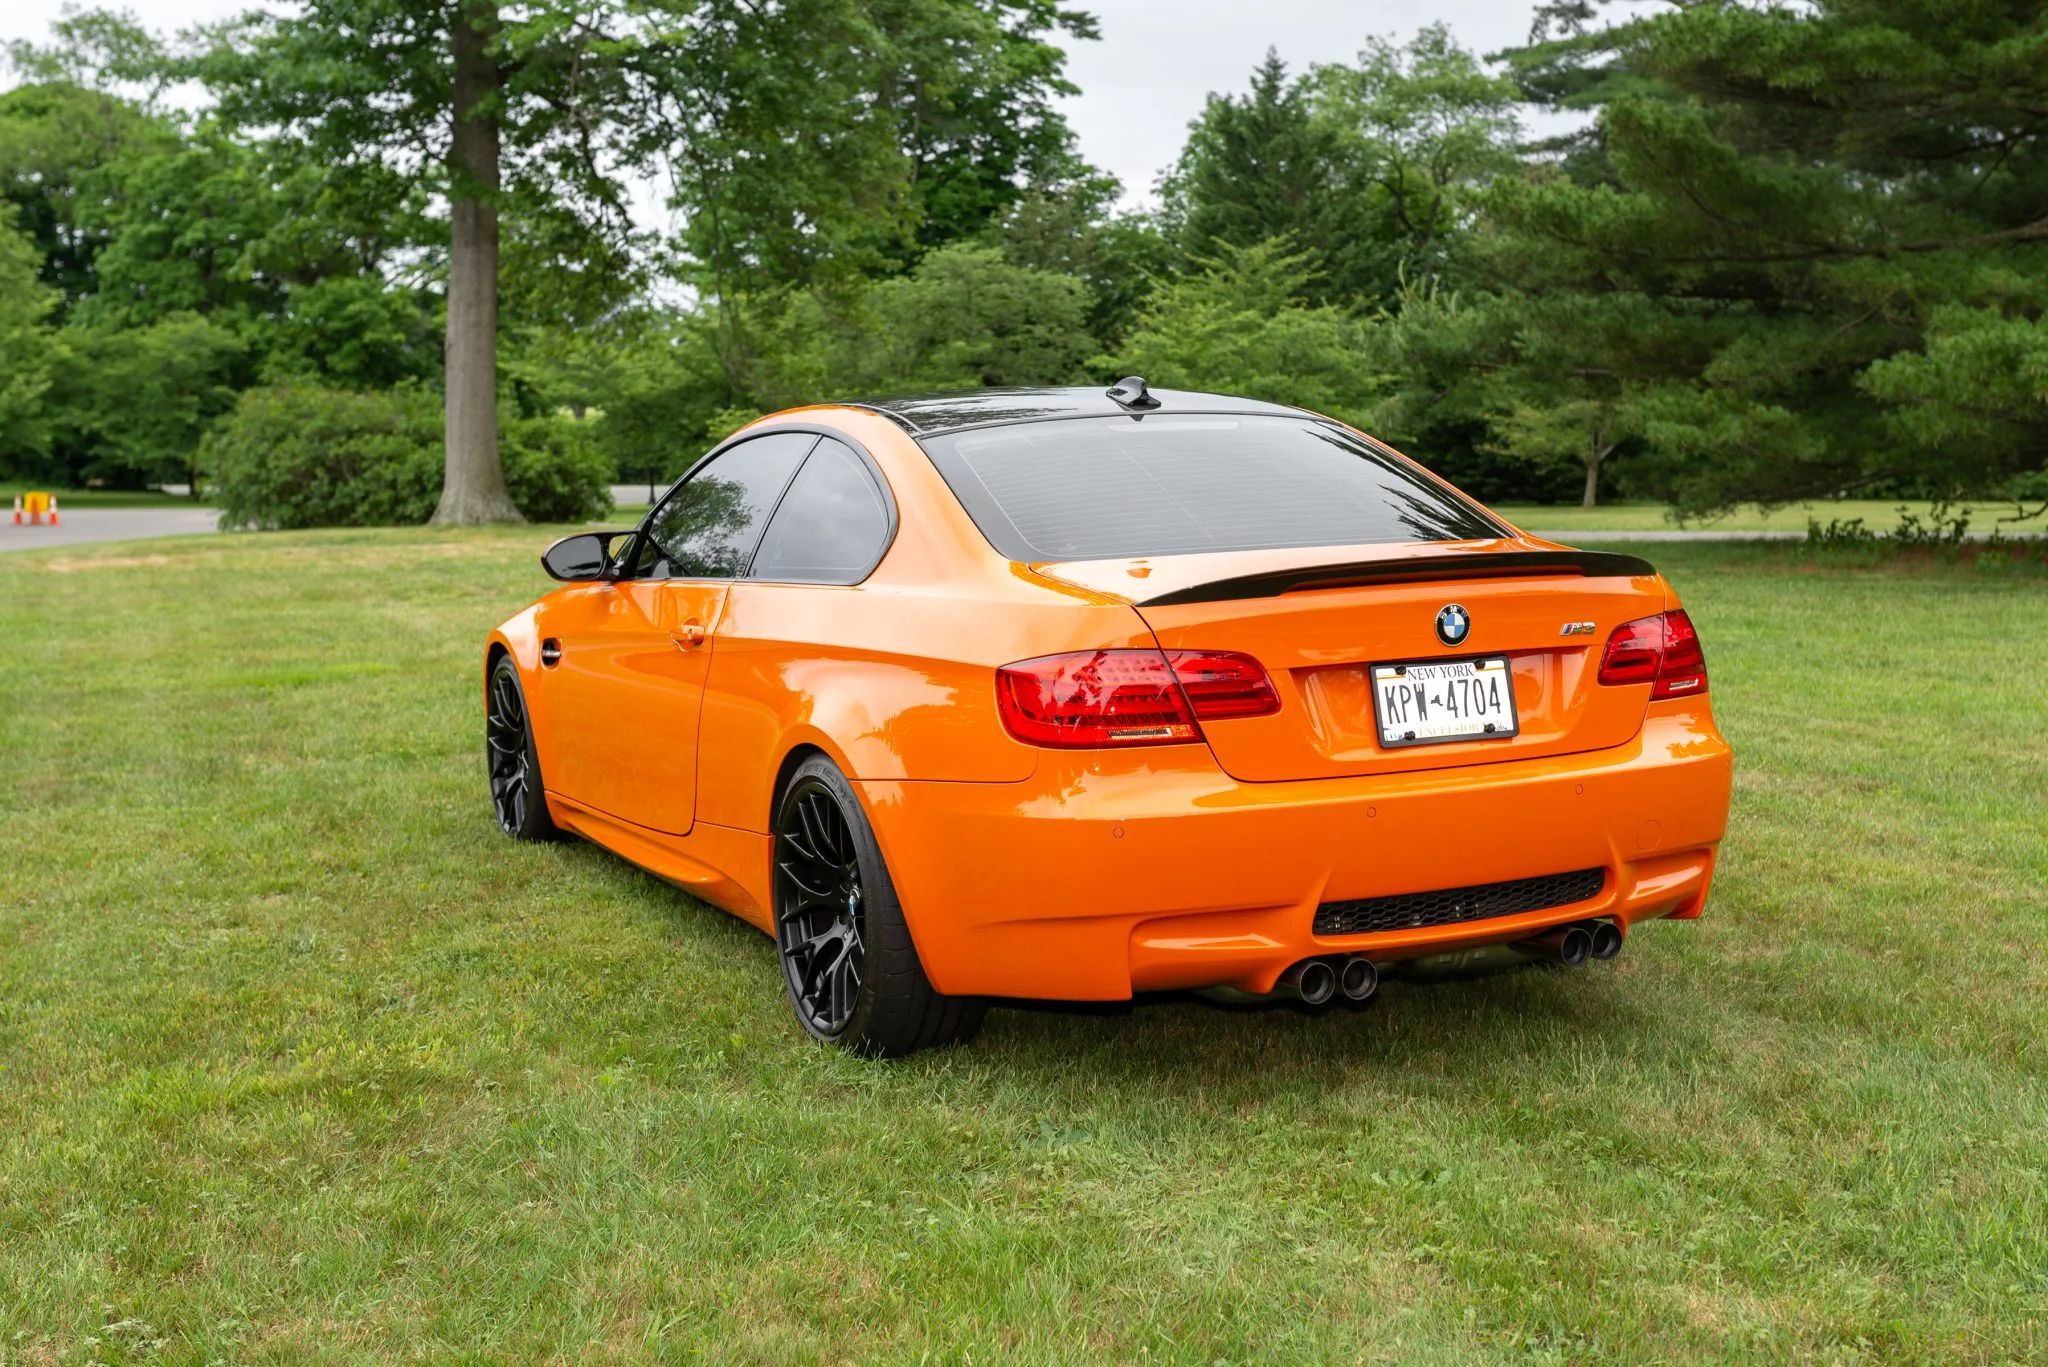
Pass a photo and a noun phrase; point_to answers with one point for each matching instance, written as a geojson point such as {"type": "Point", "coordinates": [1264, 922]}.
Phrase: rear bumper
{"type": "Point", "coordinates": [1107, 874]}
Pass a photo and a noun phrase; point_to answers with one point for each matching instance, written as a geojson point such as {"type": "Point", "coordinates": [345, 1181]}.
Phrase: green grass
{"type": "Point", "coordinates": [1879, 515]}
{"type": "Point", "coordinates": [301, 1061]}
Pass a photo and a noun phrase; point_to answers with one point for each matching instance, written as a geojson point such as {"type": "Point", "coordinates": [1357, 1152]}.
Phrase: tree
{"type": "Point", "coordinates": [1244, 325]}
{"type": "Point", "coordinates": [531, 117]}
{"type": "Point", "coordinates": [1978, 387]}
{"type": "Point", "coordinates": [130, 404]}
{"type": "Point", "coordinates": [55, 138]}
{"type": "Point", "coordinates": [965, 317]}
{"type": "Point", "coordinates": [1444, 352]}
{"type": "Point", "coordinates": [660, 396]}
{"type": "Point", "coordinates": [537, 103]}
{"type": "Point", "coordinates": [1421, 130]}
{"type": "Point", "coordinates": [979, 121]}
{"type": "Point", "coordinates": [353, 332]}
{"type": "Point", "coordinates": [88, 98]}
{"type": "Point", "coordinates": [1828, 211]}
{"type": "Point", "coordinates": [181, 227]}
{"type": "Point", "coordinates": [1071, 228]}
{"type": "Point", "coordinates": [923, 119]}
{"type": "Point", "coordinates": [1263, 166]}
{"type": "Point", "coordinates": [27, 345]}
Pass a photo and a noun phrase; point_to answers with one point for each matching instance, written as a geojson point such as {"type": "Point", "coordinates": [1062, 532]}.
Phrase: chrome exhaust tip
{"type": "Point", "coordinates": [1606, 939]}
{"type": "Point", "coordinates": [1357, 979]}
{"type": "Point", "coordinates": [1312, 981]}
{"type": "Point", "coordinates": [1567, 945]}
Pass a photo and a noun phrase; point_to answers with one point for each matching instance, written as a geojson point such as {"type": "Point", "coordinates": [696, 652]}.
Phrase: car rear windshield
{"type": "Point", "coordinates": [1111, 488]}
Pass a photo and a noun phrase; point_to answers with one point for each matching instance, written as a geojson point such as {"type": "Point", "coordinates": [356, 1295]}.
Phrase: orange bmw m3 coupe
{"type": "Point", "coordinates": [1074, 694]}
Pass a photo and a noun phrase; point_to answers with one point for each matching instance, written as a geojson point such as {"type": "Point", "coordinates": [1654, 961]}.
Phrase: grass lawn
{"type": "Point", "coordinates": [1880, 515]}
{"type": "Point", "coordinates": [300, 1060]}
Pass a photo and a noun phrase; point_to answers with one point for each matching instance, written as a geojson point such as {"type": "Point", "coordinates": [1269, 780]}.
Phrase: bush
{"type": "Point", "coordinates": [555, 469]}
{"type": "Point", "coordinates": [297, 455]}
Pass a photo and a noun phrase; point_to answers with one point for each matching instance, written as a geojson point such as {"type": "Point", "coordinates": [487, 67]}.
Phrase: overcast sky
{"type": "Point", "coordinates": [1156, 62]}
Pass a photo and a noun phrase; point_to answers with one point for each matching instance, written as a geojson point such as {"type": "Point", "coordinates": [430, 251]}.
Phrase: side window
{"type": "Point", "coordinates": [706, 527]}
{"type": "Point", "coordinates": [832, 523]}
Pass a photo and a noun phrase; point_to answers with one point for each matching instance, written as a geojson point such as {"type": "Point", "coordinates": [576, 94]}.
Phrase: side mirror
{"type": "Point", "coordinates": [584, 556]}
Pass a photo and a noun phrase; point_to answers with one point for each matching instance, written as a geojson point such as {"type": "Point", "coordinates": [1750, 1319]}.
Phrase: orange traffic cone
{"type": "Point", "coordinates": [17, 510]}
{"type": "Point", "coordinates": [53, 510]}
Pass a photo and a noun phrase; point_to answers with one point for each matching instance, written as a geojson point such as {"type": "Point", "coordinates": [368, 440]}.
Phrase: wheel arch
{"type": "Point", "coordinates": [519, 642]}
{"type": "Point", "coordinates": [796, 749]}
{"type": "Point", "coordinates": [495, 649]}
{"type": "Point", "coordinates": [791, 762]}
{"type": "Point", "coordinates": [805, 745]}
{"type": "Point", "coordinates": [517, 638]}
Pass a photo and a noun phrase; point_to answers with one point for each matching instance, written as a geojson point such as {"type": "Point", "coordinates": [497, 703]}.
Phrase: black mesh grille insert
{"type": "Point", "coordinates": [1448, 906]}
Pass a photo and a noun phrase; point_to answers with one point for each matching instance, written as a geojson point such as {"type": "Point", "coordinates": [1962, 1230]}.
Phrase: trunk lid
{"type": "Point", "coordinates": [1320, 620]}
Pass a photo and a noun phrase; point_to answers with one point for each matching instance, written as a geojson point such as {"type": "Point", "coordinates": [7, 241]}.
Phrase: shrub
{"type": "Point", "coordinates": [298, 455]}
{"type": "Point", "coordinates": [555, 469]}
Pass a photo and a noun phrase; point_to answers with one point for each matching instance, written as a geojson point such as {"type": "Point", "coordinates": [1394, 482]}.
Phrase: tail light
{"type": "Point", "coordinates": [1223, 683]}
{"type": "Point", "coordinates": [1097, 698]}
{"type": "Point", "coordinates": [1663, 651]}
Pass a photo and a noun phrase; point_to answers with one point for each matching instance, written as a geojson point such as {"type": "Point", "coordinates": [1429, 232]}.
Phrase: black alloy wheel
{"type": "Point", "coordinates": [852, 971]}
{"type": "Point", "coordinates": [820, 916]}
{"type": "Point", "coordinates": [514, 767]}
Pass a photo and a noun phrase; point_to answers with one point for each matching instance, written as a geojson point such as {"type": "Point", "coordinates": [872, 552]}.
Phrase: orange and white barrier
{"type": "Point", "coordinates": [35, 504]}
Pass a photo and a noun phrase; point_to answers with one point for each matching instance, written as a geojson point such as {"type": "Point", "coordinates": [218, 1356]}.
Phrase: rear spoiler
{"type": "Point", "coordinates": [1421, 569]}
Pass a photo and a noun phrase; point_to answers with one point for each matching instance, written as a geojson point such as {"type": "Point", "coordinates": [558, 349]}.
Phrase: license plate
{"type": "Point", "coordinates": [1432, 701]}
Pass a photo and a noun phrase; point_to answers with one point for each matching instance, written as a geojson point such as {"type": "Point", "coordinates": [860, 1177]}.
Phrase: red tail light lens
{"type": "Point", "coordinates": [1224, 683]}
{"type": "Point", "coordinates": [1685, 664]}
{"type": "Point", "coordinates": [1095, 698]}
{"type": "Point", "coordinates": [1098, 698]}
{"type": "Point", "coordinates": [1634, 652]}
{"type": "Point", "coordinates": [1663, 651]}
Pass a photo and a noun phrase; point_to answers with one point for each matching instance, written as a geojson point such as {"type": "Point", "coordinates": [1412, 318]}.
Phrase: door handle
{"type": "Point", "coordinates": [689, 635]}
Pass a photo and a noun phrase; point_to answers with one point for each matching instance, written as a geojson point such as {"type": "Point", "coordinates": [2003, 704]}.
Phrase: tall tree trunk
{"type": "Point", "coordinates": [473, 486]}
{"type": "Point", "coordinates": [1596, 453]}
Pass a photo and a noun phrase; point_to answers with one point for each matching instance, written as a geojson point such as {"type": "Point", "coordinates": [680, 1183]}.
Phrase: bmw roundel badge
{"type": "Point", "coordinates": [1453, 624]}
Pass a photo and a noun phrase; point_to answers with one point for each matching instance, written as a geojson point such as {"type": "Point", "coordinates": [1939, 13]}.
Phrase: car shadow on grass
{"type": "Point", "coordinates": [1484, 1021]}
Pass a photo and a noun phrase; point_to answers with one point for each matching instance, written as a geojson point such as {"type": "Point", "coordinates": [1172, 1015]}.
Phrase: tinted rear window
{"type": "Point", "coordinates": [831, 525]}
{"type": "Point", "coordinates": [1110, 488]}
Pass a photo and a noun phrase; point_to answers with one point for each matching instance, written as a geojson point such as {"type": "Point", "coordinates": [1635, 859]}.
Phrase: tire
{"type": "Point", "coordinates": [848, 964]}
{"type": "Point", "coordinates": [513, 766]}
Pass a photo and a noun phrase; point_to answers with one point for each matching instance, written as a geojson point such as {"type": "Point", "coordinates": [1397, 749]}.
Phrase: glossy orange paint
{"type": "Point", "coordinates": [1092, 874]}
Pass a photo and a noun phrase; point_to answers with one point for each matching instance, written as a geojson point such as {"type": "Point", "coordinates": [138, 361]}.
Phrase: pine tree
{"type": "Point", "coordinates": [1261, 167]}
{"type": "Point", "coordinates": [1788, 232]}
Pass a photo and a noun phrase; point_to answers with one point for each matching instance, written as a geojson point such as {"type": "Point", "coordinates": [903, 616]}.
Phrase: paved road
{"type": "Point", "coordinates": [80, 526]}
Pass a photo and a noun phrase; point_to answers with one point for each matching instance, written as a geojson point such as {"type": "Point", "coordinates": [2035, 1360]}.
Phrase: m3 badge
{"type": "Point", "coordinates": [1576, 629]}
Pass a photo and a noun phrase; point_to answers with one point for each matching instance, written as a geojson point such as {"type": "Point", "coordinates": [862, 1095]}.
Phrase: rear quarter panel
{"type": "Point", "coordinates": [892, 681]}
{"type": "Point", "coordinates": [894, 677]}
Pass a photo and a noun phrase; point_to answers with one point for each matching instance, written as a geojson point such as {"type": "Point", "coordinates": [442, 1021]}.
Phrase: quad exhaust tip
{"type": "Point", "coordinates": [1316, 982]}
{"type": "Point", "coordinates": [1567, 945]}
{"type": "Point", "coordinates": [1606, 942]}
{"type": "Point", "coordinates": [1575, 945]}
{"type": "Point", "coordinates": [1313, 981]}
{"type": "Point", "coordinates": [1357, 979]}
